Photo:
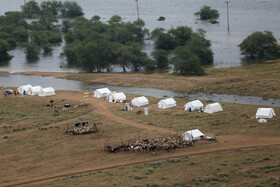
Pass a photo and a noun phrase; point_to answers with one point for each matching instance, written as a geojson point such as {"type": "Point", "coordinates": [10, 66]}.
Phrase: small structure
{"type": "Point", "coordinates": [265, 113]}
{"type": "Point", "coordinates": [102, 92]}
{"type": "Point", "coordinates": [146, 111]}
{"type": "Point", "coordinates": [117, 97]}
{"type": "Point", "coordinates": [49, 91]}
{"type": "Point", "coordinates": [34, 90]}
{"type": "Point", "coordinates": [193, 105]}
{"type": "Point", "coordinates": [24, 89]}
{"type": "Point", "coordinates": [193, 135]}
{"type": "Point", "coordinates": [167, 103]}
{"type": "Point", "coordinates": [140, 101]}
{"type": "Point", "coordinates": [212, 108]}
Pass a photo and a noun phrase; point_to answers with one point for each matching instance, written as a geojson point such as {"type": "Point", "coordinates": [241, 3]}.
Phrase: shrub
{"type": "Point", "coordinates": [206, 13]}
{"type": "Point", "coordinates": [148, 171]}
{"type": "Point", "coordinates": [161, 18]}
{"type": "Point", "coordinates": [260, 45]}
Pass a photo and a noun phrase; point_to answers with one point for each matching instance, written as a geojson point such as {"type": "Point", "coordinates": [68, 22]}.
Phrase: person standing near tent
{"type": "Point", "coordinates": [130, 106]}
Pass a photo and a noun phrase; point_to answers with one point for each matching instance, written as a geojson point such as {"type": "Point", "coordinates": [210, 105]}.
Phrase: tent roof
{"type": "Point", "coordinates": [141, 99]}
{"type": "Point", "coordinates": [265, 112]}
{"type": "Point", "coordinates": [195, 133]}
{"type": "Point", "coordinates": [48, 89]}
{"type": "Point", "coordinates": [195, 103]}
{"type": "Point", "coordinates": [119, 95]}
{"type": "Point", "coordinates": [168, 101]}
{"type": "Point", "coordinates": [103, 90]}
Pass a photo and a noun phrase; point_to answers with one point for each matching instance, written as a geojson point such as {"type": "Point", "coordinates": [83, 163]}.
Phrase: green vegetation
{"type": "Point", "coordinates": [260, 45]}
{"type": "Point", "coordinates": [208, 14]}
{"type": "Point", "coordinates": [189, 50]}
{"type": "Point", "coordinates": [4, 47]}
{"type": "Point", "coordinates": [161, 18]}
{"type": "Point", "coordinates": [40, 34]}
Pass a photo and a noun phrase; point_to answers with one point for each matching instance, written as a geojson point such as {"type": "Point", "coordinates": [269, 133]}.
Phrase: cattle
{"type": "Point", "coordinates": [51, 101]}
{"type": "Point", "coordinates": [67, 105]}
{"type": "Point", "coordinates": [84, 123]}
{"type": "Point", "coordinates": [77, 124]}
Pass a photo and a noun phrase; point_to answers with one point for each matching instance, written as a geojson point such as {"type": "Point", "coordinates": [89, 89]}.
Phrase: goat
{"type": "Point", "coordinates": [51, 101]}
{"type": "Point", "coordinates": [77, 124]}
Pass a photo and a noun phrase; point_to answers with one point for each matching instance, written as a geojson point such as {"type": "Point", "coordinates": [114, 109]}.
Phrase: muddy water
{"type": "Point", "coordinates": [7, 80]}
{"type": "Point", "coordinates": [246, 16]}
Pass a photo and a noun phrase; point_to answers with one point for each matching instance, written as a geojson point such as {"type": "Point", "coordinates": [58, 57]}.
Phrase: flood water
{"type": "Point", "coordinates": [7, 80]}
{"type": "Point", "coordinates": [246, 16]}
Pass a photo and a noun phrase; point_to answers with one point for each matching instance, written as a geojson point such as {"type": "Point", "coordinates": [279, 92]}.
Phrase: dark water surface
{"type": "Point", "coordinates": [246, 16]}
{"type": "Point", "coordinates": [7, 80]}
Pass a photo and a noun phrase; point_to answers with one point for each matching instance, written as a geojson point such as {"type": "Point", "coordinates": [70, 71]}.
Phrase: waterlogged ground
{"type": "Point", "coordinates": [245, 17]}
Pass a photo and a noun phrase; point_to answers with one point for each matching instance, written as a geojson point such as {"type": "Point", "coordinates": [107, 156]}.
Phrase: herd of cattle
{"type": "Point", "coordinates": [156, 144]}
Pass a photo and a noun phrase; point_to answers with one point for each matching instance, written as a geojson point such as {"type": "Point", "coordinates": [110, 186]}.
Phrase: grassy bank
{"type": "Point", "coordinates": [252, 80]}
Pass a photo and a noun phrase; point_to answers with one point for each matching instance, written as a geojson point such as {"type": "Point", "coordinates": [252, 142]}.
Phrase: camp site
{"type": "Point", "coordinates": [139, 93]}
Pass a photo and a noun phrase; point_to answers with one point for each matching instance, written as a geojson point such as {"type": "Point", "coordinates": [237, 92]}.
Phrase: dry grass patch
{"type": "Point", "coordinates": [235, 168]}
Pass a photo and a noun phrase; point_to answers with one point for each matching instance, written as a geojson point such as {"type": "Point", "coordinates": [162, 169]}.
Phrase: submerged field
{"type": "Point", "coordinates": [249, 80]}
{"type": "Point", "coordinates": [34, 147]}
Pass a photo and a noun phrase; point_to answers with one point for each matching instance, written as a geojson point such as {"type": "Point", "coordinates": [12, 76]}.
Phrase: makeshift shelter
{"type": "Point", "coordinates": [34, 90]}
{"type": "Point", "coordinates": [212, 108]}
{"type": "Point", "coordinates": [24, 89]}
{"type": "Point", "coordinates": [167, 103]}
{"type": "Point", "coordinates": [49, 91]}
{"type": "Point", "coordinates": [265, 113]}
{"type": "Point", "coordinates": [117, 97]}
{"type": "Point", "coordinates": [194, 105]}
{"type": "Point", "coordinates": [193, 135]}
{"type": "Point", "coordinates": [102, 92]}
{"type": "Point", "coordinates": [140, 101]}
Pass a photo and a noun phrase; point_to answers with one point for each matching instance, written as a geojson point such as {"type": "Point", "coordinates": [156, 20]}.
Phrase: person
{"type": "Point", "coordinates": [15, 92]}
{"type": "Point", "coordinates": [126, 106]}
{"type": "Point", "coordinates": [201, 109]}
{"type": "Point", "coordinates": [130, 106]}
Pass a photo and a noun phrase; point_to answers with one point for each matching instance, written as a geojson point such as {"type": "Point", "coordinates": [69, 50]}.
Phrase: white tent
{"type": "Point", "coordinates": [102, 92]}
{"type": "Point", "coordinates": [194, 105]}
{"type": "Point", "coordinates": [140, 101]}
{"type": "Point", "coordinates": [117, 97]}
{"type": "Point", "coordinates": [212, 108]}
{"type": "Point", "coordinates": [23, 88]}
{"type": "Point", "coordinates": [34, 90]}
{"type": "Point", "coordinates": [193, 135]}
{"type": "Point", "coordinates": [167, 103]}
{"type": "Point", "coordinates": [265, 113]}
{"type": "Point", "coordinates": [49, 91]}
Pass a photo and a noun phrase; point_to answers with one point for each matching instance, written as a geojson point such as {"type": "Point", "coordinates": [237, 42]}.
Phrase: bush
{"type": "Point", "coordinates": [206, 13]}
{"type": "Point", "coordinates": [4, 47]}
{"type": "Point", "coordinates": [31, 51]}
{"type": "Point", "coordinates": [260, 45]}
{"type": "Point", "coordinates": [161, 18]}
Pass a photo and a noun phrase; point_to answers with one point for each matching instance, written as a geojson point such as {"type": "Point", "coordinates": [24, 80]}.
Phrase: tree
{"type": "Point", "coordinates": [31, 51]}
{"type": "Point", "coordinates": [161, 58]}
{"type": "Point", "coordinates": [71, 9]}
{"type": "Point", "coordinates": [199, 46]}
{"type": "Point", "coordinates": [52, 7]}
{"type": "Point", "coordinates": [260, 45]}
{"type": "Point", "coordinates": [31, 9]}
{"type": "Point", "coordinates": [185, 62]}
{"type": "Point", "coordinates": [206, 13]}
{"type": "Point", "coordinates": [4, 47]}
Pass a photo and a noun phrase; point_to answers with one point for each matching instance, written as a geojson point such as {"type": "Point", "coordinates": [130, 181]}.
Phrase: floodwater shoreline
{"type": "Point", "coordinates": [15, 80]}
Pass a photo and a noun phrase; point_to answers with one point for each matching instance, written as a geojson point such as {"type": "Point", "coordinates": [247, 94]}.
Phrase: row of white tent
{"type": "Point", "coordinates": [36, 90]}
{"type": "Point", "coordinates": [163, 104]}
{"type": "Point", "coordinates": [170, 103]}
